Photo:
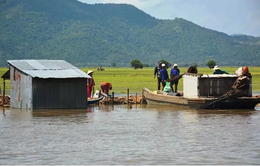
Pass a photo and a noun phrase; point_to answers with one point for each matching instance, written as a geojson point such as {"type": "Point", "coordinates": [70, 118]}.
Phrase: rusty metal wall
{"type": "Point", "coordinates": [20, 89]}
{"type": "Point", "coordinates": [59, 93]}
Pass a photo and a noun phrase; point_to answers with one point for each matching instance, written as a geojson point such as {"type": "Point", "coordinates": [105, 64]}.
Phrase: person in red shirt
{"type": "Point", "coordinates": [90, 83]}
{"type": "Point", "coordinates": [105, 87]}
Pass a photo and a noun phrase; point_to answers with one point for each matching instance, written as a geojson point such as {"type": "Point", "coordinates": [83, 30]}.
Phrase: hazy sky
{"type": "Point", "coordinates": [228, 16]}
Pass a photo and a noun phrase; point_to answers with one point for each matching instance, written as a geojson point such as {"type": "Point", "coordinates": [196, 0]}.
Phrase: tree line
{"type": "Point", "coordinates": [109, 34]}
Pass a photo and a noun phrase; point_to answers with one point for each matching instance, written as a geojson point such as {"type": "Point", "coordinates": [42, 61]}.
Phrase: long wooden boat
{"type": "Point", "coordinates": [93, 101]}
{"type": "Point", "coordinates": [162, 98]}
{"type": "Point", "coordinates": [205, 92]}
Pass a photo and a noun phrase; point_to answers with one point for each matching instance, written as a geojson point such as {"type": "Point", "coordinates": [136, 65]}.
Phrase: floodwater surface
{"type": "Point", "coordinates": [138, 135]}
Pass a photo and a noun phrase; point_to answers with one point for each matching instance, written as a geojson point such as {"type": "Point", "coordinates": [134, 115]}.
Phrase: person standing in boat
{"type": "Point", "coordinates": [90, 83]}
{"type": "Point", "coordinates": [164, 76]}
{"type": "Point", "coordinates": [105, 87]}
{"type": "Point", "coordinates": [158, 74]}
{"type": "Point", "coordinates": [217, 70]}
{"type": "Point", "coordinates": [174, 77]}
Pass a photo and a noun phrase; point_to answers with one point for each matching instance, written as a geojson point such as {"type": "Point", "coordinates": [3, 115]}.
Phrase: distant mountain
{"type": "Point", "coordinates": [102, 34]}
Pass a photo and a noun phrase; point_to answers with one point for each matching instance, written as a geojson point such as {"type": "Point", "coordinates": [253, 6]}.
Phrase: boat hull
{"type": "Point", "coordinates": [94, 101]}
{"type": "Point", "coordinates": [231, 103]}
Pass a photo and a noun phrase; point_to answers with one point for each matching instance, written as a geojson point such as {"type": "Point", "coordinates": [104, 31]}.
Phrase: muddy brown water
{"type": "Point", "coordinates": [125, 135]}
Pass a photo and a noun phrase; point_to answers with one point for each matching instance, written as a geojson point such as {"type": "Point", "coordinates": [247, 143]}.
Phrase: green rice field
{"type": "Point", "coordinates": [136, 79]}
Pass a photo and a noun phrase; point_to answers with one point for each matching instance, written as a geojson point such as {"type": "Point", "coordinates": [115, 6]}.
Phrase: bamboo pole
{"type": "Point", "coordinates": [4, 93]}
{"type": "Point", "coordinates": [136, 98]}
{"type": "Point", "coordinates": [112, 99]}
{"type": "Point", "coordinates": [142, 100]}
{"type": "Point", "coordinates": [99, 94]}
{"type": "Point", "coordinates": [127, 96]}
{"type": "Point", "coordinates": [92, 91]}
{"type": "Point", "coordinates": [107, 95]}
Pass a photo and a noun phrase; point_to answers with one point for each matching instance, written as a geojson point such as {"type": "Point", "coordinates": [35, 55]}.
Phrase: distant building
{"type": "Point", "coordinates": [47, 84]}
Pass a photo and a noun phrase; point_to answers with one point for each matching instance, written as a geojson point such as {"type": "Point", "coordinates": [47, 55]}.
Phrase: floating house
{"type": "Point", "coordinates": [210, 85]}
{"type": "Point", "coordinates": [47, 84]}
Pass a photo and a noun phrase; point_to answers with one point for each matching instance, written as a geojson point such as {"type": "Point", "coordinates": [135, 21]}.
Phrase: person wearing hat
{"type": "Point", "coordinates": [217, 70]}
{"type": "Point", "coordinates": [164, 75]}
{"type": "Point", "coordinates": [174, 77]}
{"type": "Point", "coordinates": [90, 83]}
{"type": "Point", "coordinates": [157, 72]}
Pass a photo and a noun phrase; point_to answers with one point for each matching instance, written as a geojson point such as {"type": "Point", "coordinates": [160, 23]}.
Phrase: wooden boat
{"type": "Point", "coordinates": [93, 101]}
{"type": "Point", "coordinates": [205, 92]}
{"type": "Point", "coordinates": [162, 98]}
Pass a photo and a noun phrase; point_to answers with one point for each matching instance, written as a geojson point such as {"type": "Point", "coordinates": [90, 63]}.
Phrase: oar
{"type": "Point", "coordinates": [223, 97]}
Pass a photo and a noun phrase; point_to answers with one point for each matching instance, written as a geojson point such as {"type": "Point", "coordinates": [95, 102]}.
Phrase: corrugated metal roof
{"type": "Point", "coordinates": [48, 68]}
{"type": "Point", "coordinates": [219, 75]}
{"type": "Point", "coordinates": [6, 75]}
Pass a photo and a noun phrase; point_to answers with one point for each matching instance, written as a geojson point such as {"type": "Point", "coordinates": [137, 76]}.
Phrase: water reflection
{"type": "Point", "coordinates": [130, 135]}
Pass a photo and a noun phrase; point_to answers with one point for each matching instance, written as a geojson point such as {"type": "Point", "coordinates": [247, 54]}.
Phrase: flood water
{"type": "Point", "coordinates": [121, 135]}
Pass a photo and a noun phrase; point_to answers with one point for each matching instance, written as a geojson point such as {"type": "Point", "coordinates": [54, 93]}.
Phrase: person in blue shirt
{"type": "Point", "coordinates": [217, 70]}
{"type": "Point", "coordinates": [164, 75]}
{"type": "Point", "coordinates": [174, 77]}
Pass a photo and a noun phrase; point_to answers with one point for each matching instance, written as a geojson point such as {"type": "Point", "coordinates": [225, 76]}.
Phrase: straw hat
{"type": "Point", "coordinates": [89, 72]}
{"type": "Point", "coordinates": [216, 68]}
{"type": "Point", "coordinates": [175, 65]}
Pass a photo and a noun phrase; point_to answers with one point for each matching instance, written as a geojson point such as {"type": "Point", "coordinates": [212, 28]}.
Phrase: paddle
{"type": "Point", "coordinates": [221, 98]}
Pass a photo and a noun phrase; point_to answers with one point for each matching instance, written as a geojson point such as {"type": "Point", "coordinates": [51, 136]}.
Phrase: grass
{"type": "Point", "coordinates": [136, 79]}
{"type": "Point", "coordinates": [7, 82]}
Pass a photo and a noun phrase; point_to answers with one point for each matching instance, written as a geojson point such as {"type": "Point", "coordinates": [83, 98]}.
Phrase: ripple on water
{"type": "Point", "coordinates": [140, 135]}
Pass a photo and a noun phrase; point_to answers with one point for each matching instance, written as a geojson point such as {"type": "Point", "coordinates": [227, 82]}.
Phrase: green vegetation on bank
{"type": "Point", "coordinates": [106, 34]}
{"type": "Point", "coordinates": [137, 79]}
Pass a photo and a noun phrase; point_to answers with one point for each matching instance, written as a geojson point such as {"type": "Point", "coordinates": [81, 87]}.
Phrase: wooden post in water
{"type": "Point", "coordinates": [99, 94]}
{"type": "Point", "coordinates": [4, 93]}
{"type": "Point", "coordinates": [93, 91]}
{"type": "Point", "coordinates": [142, 100]}
{"type": "Point", "coordinates": [127, 96]}
{"type": "Point", "coordinates": [112, 100]}
{"type": "Point", "coordinates": [136, 98]}
{"type": "Point", "coordinates": [107, 96]}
